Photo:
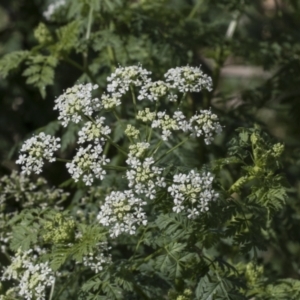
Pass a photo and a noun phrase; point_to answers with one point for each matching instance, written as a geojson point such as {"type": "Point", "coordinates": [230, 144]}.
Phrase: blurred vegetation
{"type": "Point", "coordinates": [251, 48]}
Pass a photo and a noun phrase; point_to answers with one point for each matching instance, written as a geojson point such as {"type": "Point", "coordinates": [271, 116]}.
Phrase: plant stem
{"type": "Point", "coordinates": [195, 9]}
{"type": "Point", "coordinates": [133, 99]}
{"type": "Point", "coordinates": [172, 149]}
{"type": "Point", "coordinates": [52, 290]}
{"type": "Point", "coordinates": [112, 57]}
{"type": "Point", "coordinates": [111, 51]}
{"type": "Point", "coordinates": [62, 159]}
{"type": "Point", "coordinates": [87, 36]}
{"type": "Point", "coordinates": [180, 101]}
{"type": "Point", "coordinates": [116, 145]}
{"type": "Point", "coordinates": [90, 20]}
{"type": "Point", "coordinates": [79, 67]}
{"type": "Point", "coordinates": [116, 168]}
{"type": "Point", "coordinates": [106, 148]}
{"type": "Point", "coordinates": [156, 147]}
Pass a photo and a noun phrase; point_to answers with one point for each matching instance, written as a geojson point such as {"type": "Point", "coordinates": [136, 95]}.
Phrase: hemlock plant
{"type": "Point", "coordinates": [168, 215]}
{"type": "Point", "coordinates": [142, 215]}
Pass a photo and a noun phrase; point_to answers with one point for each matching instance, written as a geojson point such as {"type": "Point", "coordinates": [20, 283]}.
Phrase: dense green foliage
{"type": "Point", "coordinates": [246, 245]}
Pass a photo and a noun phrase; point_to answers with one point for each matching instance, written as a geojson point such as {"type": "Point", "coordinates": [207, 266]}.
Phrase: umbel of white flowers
{"type": "Point", "coordinates": [78, 105]}
{"type": "Point", "coordinates": [33, 278]}
{"type": "Point", "coordinates": [122, 211]}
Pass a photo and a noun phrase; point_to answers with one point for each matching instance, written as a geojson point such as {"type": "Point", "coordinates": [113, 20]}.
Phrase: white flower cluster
{"type": "Point", "coordinates": [35, 149]}
{"type": "Point", "coordinates": [183, 124]}
{"type": "Point", "coordinates": [145, 115]}
{"type": "Point", "coordinates": [206, 124]}
{"type": "Point", "coordinates": [143, 177]}
{"type": "Point", "coordinates": [52, 8]}
{"type": "Point", "coordinates": [93, 131]}
{"type": "Point", "coordinates": [96, 262]}
{"type": "Point", "coordinates": [193, 191]}
{"type": "Point", "coordinates": [153, 90]}
{"type": "Point", "coordinates": [121, 79]}
{"type": "Point", "coordinates": [76, 101]}
{"type": "Point", "coordinates": [166, 123]}
{"type": "Point", "coordinates": [87, 164]}
{"type": "Point", "coordinates": [188, 79]}
{"type": "Point", "coordinates": [139, 149]}
{"type": "Point", "coordinates": [110, 101]}
{"type": "Point", "coordinates": [122, 211]}
{"type": "Point", "coordinates": [131, 131]}
{"type": "Point", "coordinates": [33, 277]}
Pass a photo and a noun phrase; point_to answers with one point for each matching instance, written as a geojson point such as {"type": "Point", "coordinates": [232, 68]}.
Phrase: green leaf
{"type": "Point", "coordinates": [12, 61]}
{"type": "Point", "coordinates": [60, 255]}
{"type": "Point", "coordinates": [68, 36]}
{"type": "Point", "coordinates": [24, 236]}
{"type": "Point", "coordinates": [40, 72]}
{"type": "Point", "coordinates": [92, 285]}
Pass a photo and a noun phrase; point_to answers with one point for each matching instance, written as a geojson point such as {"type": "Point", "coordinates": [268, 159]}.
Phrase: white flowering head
{"type": "Point", "coordinates": [110, 102]}
{"type": "Point", "coordinates": [53, 8]}
{"type": "Point", "coordinates": [205, 124]}
{"type": "Point", "coordinates": [166, 124]}
{"type": "Point", "coordinates": [76, 102]}
{"type": "Point", "coordinates": [153, 90]}
{"type": "Point", "coordinates": [35, 149]}
{"type": "Point", "coordinates": [188, 79]}
{"type": "Point", "coordinates": [96, 261]}
{"type": "Point", "coordinates": [132, 132]}
{"type": "Point", "coordinates": [88, 164]}
{"type": "Point", "coordinates": [192, 192]}
{"type": "Point", "coordinates": [145, 115]}
{"type": "Point", "coordinates": [143, 177]}
{"type": "Point", "coordinates": [138, 150]}
{"type": "Point", "coordinates": [122, 212]}
{"type": "Point", "coordinates": [33, 278]}
{"type": "Point", "coordinates": [182, 123]}
{"type": "Point", "coordinates": [123, 77]}
{"type": "Point", "coordinates": [94, 131]}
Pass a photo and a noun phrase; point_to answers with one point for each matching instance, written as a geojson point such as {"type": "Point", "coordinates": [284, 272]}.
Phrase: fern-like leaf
{"type": "Point", "coordinates": [11, 62]}
{"type": "Point", "coordinates": [40, 72]}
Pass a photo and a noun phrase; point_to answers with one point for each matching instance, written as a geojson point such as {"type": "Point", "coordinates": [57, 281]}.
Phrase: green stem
{"type": "Point", "coordinates": [115, 168]}
{"type": "Point", "coordinates": [133, 99]}
{"type": "Point", "coordinates": [150, 134]}
{"type": "Point", "coordinates": [79, 67]}
{"type": "Point", "coordinates": [62, 159]}
{"type": "Point", "coordinates": [87, 36]}
{"type": "Point", "coordinates": [195, 9]}
{"type": "Point", "coordinates": [156, 147]}
{"type": "Point", "coordinates": [90, 20]}
{"type": "Point", "coordinates": [112, 57]}
{"type": "Point", "coordinates": [116, 145]}
{"type": "Point", "coordinates": [172, 149]}
{"type": "Point", "coordinates": [206, 100]}
{"type": "Point", "coordinates": [110, 50]}
{"type": "Point", "coordinates": [220, 58]}
{"type": "Point", "coordinates": [52, 290]}
{"type": "Point", "coordinates": [106, 148]}
{"type": "Point", "coordinates": [181, 100]}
